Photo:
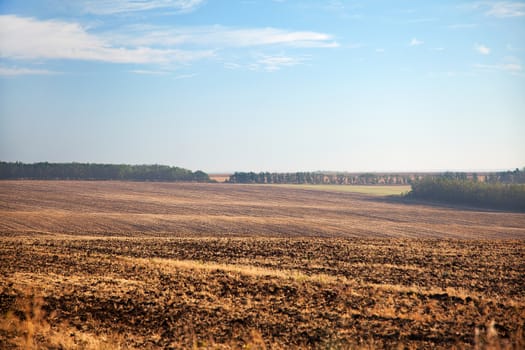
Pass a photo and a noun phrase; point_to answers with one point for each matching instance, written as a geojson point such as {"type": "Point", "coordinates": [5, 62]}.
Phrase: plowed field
{"type": "Point", "coordinates": [158, 265]}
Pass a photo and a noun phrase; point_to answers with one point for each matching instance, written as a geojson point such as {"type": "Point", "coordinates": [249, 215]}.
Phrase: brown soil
{"type": "Point", "coordinates": [158, 265]}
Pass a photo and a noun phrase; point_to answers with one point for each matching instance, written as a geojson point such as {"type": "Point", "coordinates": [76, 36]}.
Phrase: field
{"type": "Point", "coordinates": [376, 190]}
{"type": "Point", "coordinates": [219, 177]}
{"type": "Point", "coordinates": [94, 265]}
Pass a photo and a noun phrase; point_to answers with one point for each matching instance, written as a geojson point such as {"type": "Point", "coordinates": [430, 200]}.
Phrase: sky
{"type": "Point", "coordinates": [222, 86]}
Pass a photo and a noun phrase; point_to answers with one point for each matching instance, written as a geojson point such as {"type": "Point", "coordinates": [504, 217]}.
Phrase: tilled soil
{"type": "Point", "coordinates": [335, 287]}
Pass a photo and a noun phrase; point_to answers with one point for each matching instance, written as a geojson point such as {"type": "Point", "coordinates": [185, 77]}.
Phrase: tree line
{"type": "Point", "coordinates": [515, 176]}
{"type": "Point", "coordinates": [316, 178]}
{"type": "Point", "coordinates": [497, 195]}
{"type": "Point", "coordinates": [93, 171]}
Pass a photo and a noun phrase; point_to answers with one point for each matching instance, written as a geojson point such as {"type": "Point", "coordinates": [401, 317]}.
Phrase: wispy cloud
{"type": "Point", "coordinates": [509, 64]}
{"type": "Point", "coordinates": [162, 73]}
{"type": "Point", "coordinates": [232, 65]}
{"type": "Point", "coordinates": [416, 42]}
{"type": "Point", "coordinates": [509, 67]}
{"type": "Point", "coordinates": [263, 63]}
{"type": "Point", "coordinates": [274, 63]}
{"type": "Point", "coordinates": [503, 9]}
{"type": "Point", "coordinates": [185, 76]}
{"type": "Point", "coordinates": [149, 72]}
{"type": "Point", "coordinates": [29, 38]}
{"type": "Point", "coordinates": [498, 9]}
{"type": "Point", "coordinates": [158, 47]}
{"type": "Point", "coordinates": [482, 49]}
{"type": "Point", "coordinates": [109, 7]}
{"type": "Point", "coordinates": [222, 37]}
{"type": "Point", "coordinates": [343, 9]}
{"type": "Point", "coordinates": [15, 71]}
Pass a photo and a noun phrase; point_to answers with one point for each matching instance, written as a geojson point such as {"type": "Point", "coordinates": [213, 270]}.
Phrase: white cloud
{"type": "Point", "coordinates": [232, 65]}
{"type": "Point", "coordinates": [482, 49]}
{"type": "Point", "coordinates": [415, 42]}
{"type": "Point", "coordinates": [509, 64]}
{"type": "Point", "coordinates": [512, 67]}
{"type": "Point", "coordinates": [161, 73]}
{"type": "Point", "coordinates": [509, 67]}
{"type": "Point", "coordinates": [15, 71]}
{"type": "Point", "coordinates": [108, 7]}
{"type": "Point", "coordinates": [504, 9]}
{"type": "Point", "coordinates": [219, 36]}
{"type": "Point", "coordinates": [185, 76]}
{"type": "Point", "coordinates": [380, 50]}
{"type": "Point", "coordinates": [274, 63]}
{"type": "Point", "coordinates": [149, 72]}
{"type": "Point", "coordinates": [25, 38]}
{"type": "Point", "coordinates": [28, 38]}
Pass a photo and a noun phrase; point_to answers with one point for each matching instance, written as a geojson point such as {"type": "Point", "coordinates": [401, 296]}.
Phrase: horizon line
{"type": "Point", "coordinates": [214, 172]}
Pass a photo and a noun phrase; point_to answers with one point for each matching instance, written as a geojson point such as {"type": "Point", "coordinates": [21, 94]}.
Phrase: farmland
{"type": "Point", "coordinates": [377, 190]}
{"type": "Point", "coordinates": [178, 265]}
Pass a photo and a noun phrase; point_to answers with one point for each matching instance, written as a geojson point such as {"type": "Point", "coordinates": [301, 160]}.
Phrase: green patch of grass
{"type": "Point", "coordinates": [374, 190]}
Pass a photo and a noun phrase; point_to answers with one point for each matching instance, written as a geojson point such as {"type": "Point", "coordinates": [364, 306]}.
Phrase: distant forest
{"type": "Point", "coordinates": [509, 196]}
{"type": "Point", "coordinates": [319, 178]}
{"type": "Point", "coordinates": [516, 176]}
{"type": "Point", "coordinates": [497, 190]}
{"type": "Point", "coordinates": [92, 171]}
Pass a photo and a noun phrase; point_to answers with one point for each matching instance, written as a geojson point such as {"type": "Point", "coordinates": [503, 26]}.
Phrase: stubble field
{"type": "Point", "coordinates": [158, 265]}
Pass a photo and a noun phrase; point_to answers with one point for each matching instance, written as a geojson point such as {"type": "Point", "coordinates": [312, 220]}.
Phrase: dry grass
{"type": "Point", "coordinates": [27, 326]}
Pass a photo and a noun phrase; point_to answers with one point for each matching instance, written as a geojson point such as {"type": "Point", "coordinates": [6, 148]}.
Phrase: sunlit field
{"type": "Point", "coordinates": [375, 190]}
{"type": "Point", "coordinates": [158, 265]}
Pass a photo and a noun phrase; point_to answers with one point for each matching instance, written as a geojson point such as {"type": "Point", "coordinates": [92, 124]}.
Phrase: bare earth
{"type": "Point", "coordinates": [160, 265]}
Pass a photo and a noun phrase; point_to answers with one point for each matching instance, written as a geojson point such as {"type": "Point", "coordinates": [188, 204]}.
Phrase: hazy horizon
{"type": "Point", "coordinates": [279, 86]}
{"type": "Point", "coordinates": [408, 171]}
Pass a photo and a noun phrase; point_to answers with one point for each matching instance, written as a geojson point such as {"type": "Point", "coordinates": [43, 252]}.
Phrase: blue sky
{"type": "Point", "coordinates": [264, 85]}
